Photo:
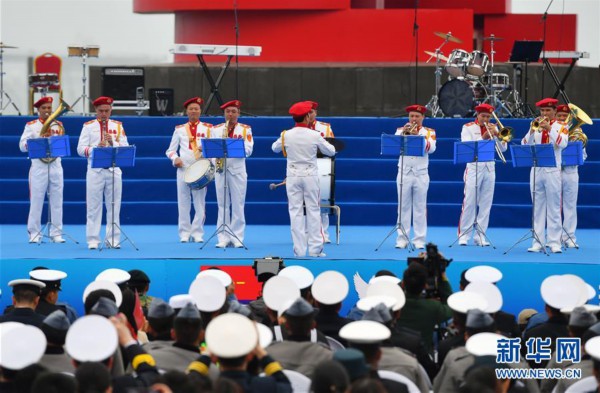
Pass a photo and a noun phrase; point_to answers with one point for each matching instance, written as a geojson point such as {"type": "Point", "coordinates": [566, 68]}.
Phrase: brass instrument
{"type": "Point", "coordinates": [409, 131]}
{"type": "Point", "coordinates": [45, 132]}
{"type": "Point", "coordinates": [577, 117]}
{"type": "Point", "coordinates": [496, 141]}
{"type": "Point", "coordinates": [506, 134]}
{"type": "Point", "coordinates": [106, 139]}
{"type": "Point", "coordinates": [536, 123]}
{"type": "Point", "coordinates": [220, 162]}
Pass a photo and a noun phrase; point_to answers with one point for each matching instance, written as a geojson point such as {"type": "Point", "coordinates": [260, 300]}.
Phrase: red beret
{"type": "Point", "coordinates": [484, 108]}
{"type": "Point", "coordinates": [300, 109]}
{"type": "Point", "coordinates": [416, 108]}
{"type": "Point", "coordinates": [235, 103]}
{"type": "Point", "coordinates": [102, 101]}
{"type": "Point", "coordinates": [313, 104]}
{"type": "Point", "coordinates": [563, 108]}
{"type": "Point", "coordinates": [42, 101]}
{"type": "Point", "coordinates": [547, 103]}
{"type": "Point", "coordinates": [195, 100]}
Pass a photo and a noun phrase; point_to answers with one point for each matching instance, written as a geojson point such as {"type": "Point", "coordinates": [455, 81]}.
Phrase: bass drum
{"type": "Point", "coordinates": [456, 98]}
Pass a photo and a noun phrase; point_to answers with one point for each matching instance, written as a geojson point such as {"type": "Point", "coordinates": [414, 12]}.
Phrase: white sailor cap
{"type": "Point", "coordinates": [231, 336]}
{"type": "Point", "coordinates": [108, 285]}
{"type": "Point", "coordinates": [365, 332]}
{"type": "Point", "coordinates": [91, 339]}
{"type": "Point", "coordinates": [483, 344]}
{"type": "Point", "coordinates": [392, 279]}
{"type": "Point", "coordinates": [367, 303]}
{"type": "Point", "coordinates": [388, 288]}
{"type": "Point", "coordinates": [20, 345]}
{"type": "Point", "coordinates": [179, 301]}
{"type": "Point", "coordinates": [224, 277]}
{"type": "Point", "coordinates": [49, 277]}
{"type": "Point", "coordinates": [578, 282]}
{"type": "Point", "coordinates": [565, 292]}
{"type": "Point", "coordinates": [265, 335]}
{"type": "Point", "coordinates": [591, 291]}
{"type": "Point", "coordinates": [592, 347]}
{"type": "Point", "coordinates": [118, 276]}
{"type": "Point", "coordinates": [25, 283]}
{"type": "Point", "coordinates": [330, 287]}
{"type": "Point", "coordinates": [490, 293]}
{"type": "Point", "coordinates": [483, 273]}
{"type": "Point", "coordinates": [299, 274]}
{"type": "Point", "coordinates": [208, 293]}
{"type": "Point", "coordinates": [279, 292]}
{"type": "Point", "coordinates": [464, 301]}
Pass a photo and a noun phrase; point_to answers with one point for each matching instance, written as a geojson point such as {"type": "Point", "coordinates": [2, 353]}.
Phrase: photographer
{"type": "Point", "coordinates": [423, 313]}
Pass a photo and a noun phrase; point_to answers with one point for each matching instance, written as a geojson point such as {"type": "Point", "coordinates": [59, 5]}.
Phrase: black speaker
{"type": "Point", "coordinates": [121, 83]}
{"type": "Point", "coordinates": [162, 102]}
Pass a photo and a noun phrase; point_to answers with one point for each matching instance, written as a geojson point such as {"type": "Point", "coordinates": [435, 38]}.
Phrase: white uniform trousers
{"type": "Point", "coordinates": [486, 181]}
{"type": "Point", "coordinates": [100, 184]}
{"type": "Point", "coordinates": [185, 195]}
{"type": "Point", "coordinates": [305, 189]}
{"type": "Point", "coordinates": [413, 205]}
{"type": "Point", "coordinates": [325, 223]}
{"type": "Point", "coordinates": [236, 200]}
{"type": "Point", "coordinates": [38, 186]}
{"type": "Point", "coordinates": [547, 207]}
{"type": "Point", "coordinates": [570, 189]}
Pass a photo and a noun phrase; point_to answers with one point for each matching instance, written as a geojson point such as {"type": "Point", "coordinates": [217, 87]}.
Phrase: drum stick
{"type": "Point", "coordinates": [273, 186]}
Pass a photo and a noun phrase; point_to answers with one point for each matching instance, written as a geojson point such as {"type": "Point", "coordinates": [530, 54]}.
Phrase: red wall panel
{"type": "Point", "coordinates": [144, 6]}
{"type": "Point", "coordinates": [362, 36]}
{"type": "Point", "coordinates": [479, 7]}
{"type": "Point", "coordinates": [561, 32]}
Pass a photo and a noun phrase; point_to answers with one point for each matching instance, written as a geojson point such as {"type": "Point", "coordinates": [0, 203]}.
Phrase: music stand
{"type": "Point", "coordinates": [52, 147]}
{"type": "Point", "coordinates": [223, 148]}
{"type": "Point", "coordinates": [536, 156]}
{"type": "Point", "coordinates": [474, 151]}
{"type": "Point", "coordinates": [572, 155]}
{"type": "Point", "coordinates": [526, 52]}
{"type": "Point", "coordinates": [403, 146]}
{"type": "Point", "coordinates": [113, 157]}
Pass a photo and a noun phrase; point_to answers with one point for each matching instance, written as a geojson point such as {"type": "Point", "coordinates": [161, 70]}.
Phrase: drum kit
{"type": "Point", "coordinates": [3, 92]}
{"type": "Point", "coordinates": [471, 80]}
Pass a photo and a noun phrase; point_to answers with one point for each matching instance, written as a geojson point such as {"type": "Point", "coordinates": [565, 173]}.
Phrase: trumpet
{"type": "Point", "coordinates": [409, 131]}
{"type": "Point", "coordinates": [536, 124]}
{"type": "Point", "coordinates": [496, 141]}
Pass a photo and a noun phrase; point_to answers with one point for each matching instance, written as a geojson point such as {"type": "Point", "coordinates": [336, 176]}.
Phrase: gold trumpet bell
{"type": "Point", "coordinates": [506, 134]}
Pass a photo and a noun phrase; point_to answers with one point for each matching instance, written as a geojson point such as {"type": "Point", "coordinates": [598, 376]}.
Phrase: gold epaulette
{"type": "Point", "coordinates": [31, 122]}
{"type": "Point", "coordinates": [89, 122]}
{"type": "Point", "coordinates": [207, 125]}
{"type": "Point", "coordinates": [116, 121]}
{"type": "Point", "coordinates": [470, 124]}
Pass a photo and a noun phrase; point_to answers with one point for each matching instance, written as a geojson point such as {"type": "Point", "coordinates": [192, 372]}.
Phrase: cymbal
{"type": "Point", "coordinates": [3, 46]}
{"type": "Point", "coordinates": [448, 35]}
{"type": "Point", "coordinates": [433, 54]}
{"type": "Point", "coordinates": [492, 38]}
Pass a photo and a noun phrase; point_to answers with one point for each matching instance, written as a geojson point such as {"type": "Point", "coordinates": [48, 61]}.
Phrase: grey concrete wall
{"type": "Point", "coordinates": [343, 91]}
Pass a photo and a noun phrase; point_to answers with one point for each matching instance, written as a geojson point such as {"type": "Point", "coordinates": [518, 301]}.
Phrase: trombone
{"type": "Point", "coordinates": [505, 134]}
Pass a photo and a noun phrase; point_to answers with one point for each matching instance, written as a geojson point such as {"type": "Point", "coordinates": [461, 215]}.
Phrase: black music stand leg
{"type": "Point", "coordinates": [560, 84]}
{"type": "Point", "coordinates": [214, 85]}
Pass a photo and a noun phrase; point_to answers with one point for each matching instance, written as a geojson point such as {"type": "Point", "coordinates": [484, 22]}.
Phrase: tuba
{"type": "Point", "coordinates": [577, 117]}
{"type": "Point", "coordinates": [45, 132]}
{"type": "Point", "coordinates": [220, 162]}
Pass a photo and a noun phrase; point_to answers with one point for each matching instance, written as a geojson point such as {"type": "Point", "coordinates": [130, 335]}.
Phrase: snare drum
{"type": "Point", "coordinates": [199, 174]}
{"type": "Point", "coordinates": [43, 80]}
{"type": "Point", "coordinates": [498, 81]}
{"type": "Point", "coordinates": [479, 64]}
{"type": "Point", "coordinates": [455, 66]}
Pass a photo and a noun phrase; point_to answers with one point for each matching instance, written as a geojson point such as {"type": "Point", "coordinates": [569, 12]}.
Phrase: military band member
{"type": "Point", "coordinates": [326, 132]}
{"type": "Point", "coordinates": [186, 140]}
{"type": "Point", "coordinates": [570, 189]}
{"type": "Point", "coordinates": [547, 180]}
{"type": "Point", "coordinates": [480, 129]}
{"type": "Point", "coordinates": [300, 145]}
{"type": "Point", "coordinates": [415, 180]}
{"type": "Point", "coordinates": [102, 132]}
{"type": "Point", "coordinates": [39, 180]}
{"type": "Point", "coordinates": [237, 178]}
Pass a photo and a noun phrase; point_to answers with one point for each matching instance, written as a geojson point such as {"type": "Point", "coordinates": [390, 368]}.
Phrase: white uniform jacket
{"type": "Point", "coordinates": [419, 165]}
{"type": "Point", "coordinates": [91, 135]}
{"type": "Point", "coordinates": [180, 142]}
{"type": "Point", "coordinates": [473, 132]}
{"type": "Point", "coordinates": [241, 131]}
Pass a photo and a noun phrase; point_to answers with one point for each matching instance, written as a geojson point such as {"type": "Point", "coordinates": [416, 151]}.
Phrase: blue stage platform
{"type": "Point", "coordinates": [172, 265]}
{"type": "Point", "coordinates": [365, 187]}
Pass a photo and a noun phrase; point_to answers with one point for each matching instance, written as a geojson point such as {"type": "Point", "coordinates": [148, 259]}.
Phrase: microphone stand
{"type": "Point", "coordinates": [544, 20]}
{"type": "Point", "coordinates": [416, 35]}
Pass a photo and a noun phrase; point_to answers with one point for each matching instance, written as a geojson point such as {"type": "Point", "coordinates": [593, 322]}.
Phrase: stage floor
{"type": "Point", "coordinates": [172, 265]}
